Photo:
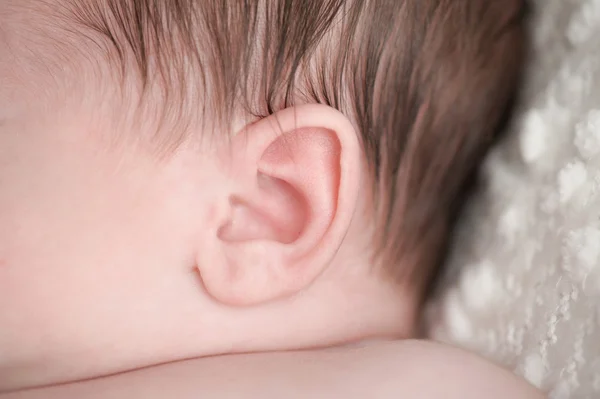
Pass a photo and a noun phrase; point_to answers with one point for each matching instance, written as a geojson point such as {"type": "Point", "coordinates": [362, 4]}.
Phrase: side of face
{"type": "Point", "coordinates": [87, 239]}
{"type": "Point", "coordinates": [113, 259]}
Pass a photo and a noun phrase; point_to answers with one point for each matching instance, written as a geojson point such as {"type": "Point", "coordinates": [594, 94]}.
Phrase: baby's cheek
{"type": "Point", "coordinates": [53, 220]}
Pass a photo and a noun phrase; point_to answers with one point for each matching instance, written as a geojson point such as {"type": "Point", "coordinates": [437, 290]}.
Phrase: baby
{"type": "Point", "coordinates": [183, 179]}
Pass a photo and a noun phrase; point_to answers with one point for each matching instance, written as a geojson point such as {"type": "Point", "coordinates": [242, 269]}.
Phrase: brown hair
{"type": "Point", "coordinates": [426, 83]}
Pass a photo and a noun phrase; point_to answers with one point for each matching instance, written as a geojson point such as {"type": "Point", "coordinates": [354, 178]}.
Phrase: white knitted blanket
{"type": "Point", "coordinates": [523, 283]}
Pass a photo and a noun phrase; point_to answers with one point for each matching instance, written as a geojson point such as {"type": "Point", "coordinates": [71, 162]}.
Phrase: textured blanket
{"type": "Point", "coordinates": [523, 281]}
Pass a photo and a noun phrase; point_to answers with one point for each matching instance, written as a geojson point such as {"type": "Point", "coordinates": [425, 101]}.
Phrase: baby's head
{"type": "Point", "coordinates": [186, 178]}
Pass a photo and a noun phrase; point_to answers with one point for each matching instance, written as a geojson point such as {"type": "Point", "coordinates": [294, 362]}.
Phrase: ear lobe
{"type": "Point", "coordinates": [296, 176]}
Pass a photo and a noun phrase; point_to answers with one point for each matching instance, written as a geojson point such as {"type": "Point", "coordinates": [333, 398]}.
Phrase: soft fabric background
{"type": "Point", "coordinates": [523, 283]}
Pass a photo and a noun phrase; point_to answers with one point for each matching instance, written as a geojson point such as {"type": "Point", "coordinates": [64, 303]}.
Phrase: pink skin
{"type": "Point", "coordinates": [401, 369]}
{"type": "Point", "coordinates": [113, 260]}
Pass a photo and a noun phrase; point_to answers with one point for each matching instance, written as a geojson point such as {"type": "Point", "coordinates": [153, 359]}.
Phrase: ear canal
{"type": "Point", "coordinates": [278, 214]}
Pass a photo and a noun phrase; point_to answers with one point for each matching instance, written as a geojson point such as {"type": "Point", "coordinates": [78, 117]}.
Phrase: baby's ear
{"type": "Point", "coordinates": [296, 178]}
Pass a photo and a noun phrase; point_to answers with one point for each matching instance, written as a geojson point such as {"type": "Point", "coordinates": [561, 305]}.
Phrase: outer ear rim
{"type": "Point", "coordinates": [350, 159]}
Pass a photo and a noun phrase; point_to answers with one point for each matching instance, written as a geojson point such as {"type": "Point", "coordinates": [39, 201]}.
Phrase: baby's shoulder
{"type": "Point", "coordinates": [400, 369]}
